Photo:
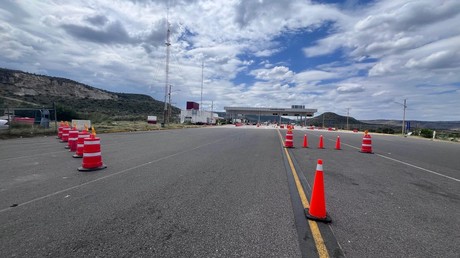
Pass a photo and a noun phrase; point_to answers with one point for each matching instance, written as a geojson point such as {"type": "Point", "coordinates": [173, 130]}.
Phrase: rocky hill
{"type": "Point", "coordinates": [329, 119]}
{"type": "Point", "coordinates": [21, 89]}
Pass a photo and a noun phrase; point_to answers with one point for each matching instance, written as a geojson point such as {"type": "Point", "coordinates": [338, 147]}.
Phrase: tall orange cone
{"type": "Point", "coordinates": [337, 143]}
{"type": "Point", "coordinates": [289, 143]}
{"type": "Point", "coordinates": [305, 141]}
{"type": "Point", "coordinates": [317, 210]}
{"type": "Point", "coordinates": [321, 142]}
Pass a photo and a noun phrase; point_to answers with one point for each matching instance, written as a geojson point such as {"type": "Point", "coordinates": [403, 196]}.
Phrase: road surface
{"type": "Point", "coordinates": [229, 192]}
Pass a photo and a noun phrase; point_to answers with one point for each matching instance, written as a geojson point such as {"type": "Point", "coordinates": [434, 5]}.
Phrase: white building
{"type": "Point", "coordinates": [194, 116]}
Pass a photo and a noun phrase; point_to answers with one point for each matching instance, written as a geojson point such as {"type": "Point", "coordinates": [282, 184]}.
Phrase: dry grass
{"type": "Point", "coordinates": [104, 127]}
{"type": "Point", "coordinates": [131, 126]}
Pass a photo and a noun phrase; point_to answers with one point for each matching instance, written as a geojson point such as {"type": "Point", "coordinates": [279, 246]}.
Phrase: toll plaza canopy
{"type": "Point", "coordinates": [295, 110]}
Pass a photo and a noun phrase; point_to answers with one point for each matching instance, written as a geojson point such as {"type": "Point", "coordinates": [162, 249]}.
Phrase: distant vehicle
{"type": "Point", "coordinates": [4, 124]}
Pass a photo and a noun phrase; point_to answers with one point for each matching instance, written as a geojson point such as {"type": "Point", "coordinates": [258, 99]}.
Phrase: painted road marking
{"type": "Point", "coordinates": [111, 175]}
{"type": "Point", "coordinates": [410, 165]}
{"type": "Point", "coordinates": [423, 169]}
{"type": "Point", "coordinates": [317, 237]}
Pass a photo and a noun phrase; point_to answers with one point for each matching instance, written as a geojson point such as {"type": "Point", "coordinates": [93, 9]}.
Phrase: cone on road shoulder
{"type": "Point", "coordinates": [289, 143]}
{"type": "Point", "coordinates": [92, 158]}
{"type": "Point", "coordinates": [317, 210]}
{"type": "Point", "coordinates": [337, 143]}
{"type": "Point", "coordinates": [321, 142]}
{"type": "Point", "coordinates": [305, 141]}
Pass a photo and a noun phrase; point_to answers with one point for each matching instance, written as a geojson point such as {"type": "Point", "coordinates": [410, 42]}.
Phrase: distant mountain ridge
{"type": "Point", "coordinates": [21, 89]}
{"type": "Point", "coordinates": [441, 125]}
{"type": "Point", "coordinates": [329, 119]}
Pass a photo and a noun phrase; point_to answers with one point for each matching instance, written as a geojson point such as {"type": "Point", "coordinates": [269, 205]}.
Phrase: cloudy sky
{"type": "Point", "coordinates": [367, 56]}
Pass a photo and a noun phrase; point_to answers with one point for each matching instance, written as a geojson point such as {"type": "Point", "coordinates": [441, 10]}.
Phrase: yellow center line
{"type": "Point", "coordinates": [317, 237]}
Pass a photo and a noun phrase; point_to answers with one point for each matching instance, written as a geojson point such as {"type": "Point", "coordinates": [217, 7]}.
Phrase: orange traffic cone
{"type": "Point", "coordinates": [366, 147]}
{"type": "Point", "coordinates": [337, 143]}
{"type": "Point", "coordinates": [289, 143]}
{"type": "Point", "coordinates": [317, 210]}
{"type": "Point", "coordinates": [321, 142]}
{"type": "Point", "coordinates": [92, 159]}
{"type": "Point", "coordinates": [305, 141]}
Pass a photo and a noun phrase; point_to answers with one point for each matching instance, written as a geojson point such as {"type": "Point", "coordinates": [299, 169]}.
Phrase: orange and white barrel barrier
{"type": "Point", "coordinates": [81, 143]}
{"type": "Point", "coordinates": [92, 158]}
{"type": "Point", "coordinates": [73, 137]}
{"type": "Point", "coordinates": [65, 134]}
{"type": "Point", "coordinates": [366, 146]}
{"type": "Point", "coordinates": [289, 143]}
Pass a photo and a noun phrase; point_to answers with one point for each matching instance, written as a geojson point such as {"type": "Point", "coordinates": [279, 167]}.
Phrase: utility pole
{"type": "Point", "coordinates": [404, 117]}
{"type": "Point", "coordinates": [212, 109]}
{"type": "Point", "coordinates": [168, 44]}
{"type": "Point", "coordinates": [348, 114]}
{"type": "Point", "coordinates": [202, 79]}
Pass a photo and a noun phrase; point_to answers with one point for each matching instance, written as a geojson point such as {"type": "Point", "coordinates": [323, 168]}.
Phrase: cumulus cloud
{"type": "Point", "coordinates": [354, 53]}
{"type": "Point", "coordinates": [350, 88]}
{"type": "Point", "coordinates": [314, 76]}
{"type": "Point", "coordinates": [277, 73]}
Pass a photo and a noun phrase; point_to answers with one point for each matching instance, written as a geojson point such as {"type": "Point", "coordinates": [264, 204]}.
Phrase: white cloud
{"type": "Point", "coordinates": [349, 88]}
{"type": "Point", "coordinates": [277, 73]}
{"type": "Point", "coordinates": [388, 49]}
{"type": "Point", "coordinates": [314, 76]}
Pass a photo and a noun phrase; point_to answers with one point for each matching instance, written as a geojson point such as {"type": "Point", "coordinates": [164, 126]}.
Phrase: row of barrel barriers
{"type": "Point", "coordinates": [84, 144]}
{"type": "Point", "coordinates": [317, 206]}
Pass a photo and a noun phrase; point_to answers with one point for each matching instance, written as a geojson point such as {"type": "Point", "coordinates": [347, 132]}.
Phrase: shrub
{"type": "Point", "coordinates": [427, 133]}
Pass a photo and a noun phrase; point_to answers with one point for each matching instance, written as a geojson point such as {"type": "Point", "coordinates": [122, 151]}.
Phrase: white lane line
{"type": "Point", "coordinates": [111, 175]}
{"type": "Point", "coordinates": [411, 165]}
{"type": "Point", "coordinates": [414, 166]}
{"type": "Point", "coordinates": [34, 155]}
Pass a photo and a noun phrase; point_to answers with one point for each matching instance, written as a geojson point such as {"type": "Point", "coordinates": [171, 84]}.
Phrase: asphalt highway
{"type": "Point", "coordinates": [228, 192]}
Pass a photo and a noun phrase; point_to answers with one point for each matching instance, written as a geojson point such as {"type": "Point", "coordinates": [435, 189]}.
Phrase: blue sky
{"type": "Point", "coordinates": [330, 55]}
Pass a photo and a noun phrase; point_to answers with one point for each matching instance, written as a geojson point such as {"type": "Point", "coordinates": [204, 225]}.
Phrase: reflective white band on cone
{"type": "Point", "coordinates": [92, 142]}
{"type": "Point", "coordinates": [95, 154]}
